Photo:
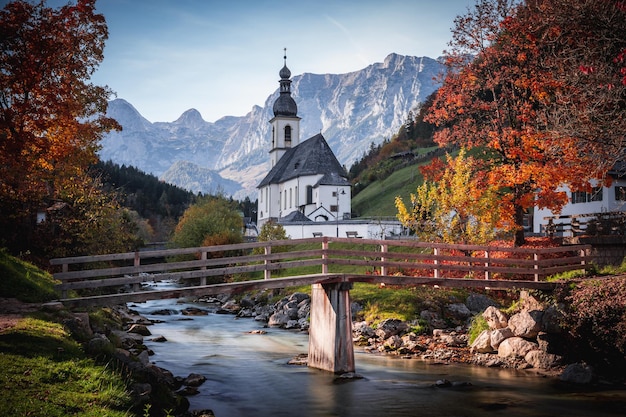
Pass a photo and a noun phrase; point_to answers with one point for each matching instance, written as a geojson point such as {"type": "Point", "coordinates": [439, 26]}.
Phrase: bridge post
{"type": "Point", "coordinates": [330, 331]}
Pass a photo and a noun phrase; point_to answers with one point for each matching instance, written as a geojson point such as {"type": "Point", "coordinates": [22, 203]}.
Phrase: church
{"type": "Point", "coordinates": [306, 190]}
{"type": "Point", "coordinates": [306, 182]}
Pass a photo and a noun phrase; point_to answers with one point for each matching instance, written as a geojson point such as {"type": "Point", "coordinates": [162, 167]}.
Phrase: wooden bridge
{"type": "Point", "coordinates": [118, 278]}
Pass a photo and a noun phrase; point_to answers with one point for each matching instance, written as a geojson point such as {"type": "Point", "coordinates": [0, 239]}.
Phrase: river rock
{"type": "Point", "coordinates": [194, 380]}
{"type": "Point", "coordinates": [526, 324]}
{"type": "Point", "coordinates": [500, 335]}
{"type": "Point", "coordinates": [126, 340]}
{"type": "Point", "coordinates": [542, 360]}
{"type": "Point", "coordinates": [278, 319]}
{"type": "Point", "coordinates": [78, 325]}
{"type": "Point", "coordinates": [194, 311]}
{"type": "Point", "coordinates": [159, 339]}
{"type": "Point", "coordinates": [140, 329]}
{"type": "Point", "coordinates": [453, 339]}
{"type": "Point", "coordinates": [577, 373]}
{"type": "Point", "coordinates": [515, 346]}
{"type": "Point", "coordinates": [482, 343]}
{"type": "Point", "coordinates": [99, 344]}
{"type": "Point", "coordinates": [303, 323]}
{"type": "Point", "coordinates": [292, 324]}
{"type": "Point", "coordinates": [433, 319]}
{"type": "Point", "coordinates": [479, 302]}
{"type": "Point", "coordinates": [391, 327]}
{"type": "Point", "coordinates": [298, 297]}
{"type": "Point", "coordinates": [495, 318]}
{"type": "Point", "coordinates": [458, 311]}
{"type": "Point", "coordinates": [231, 306]}
{"type": "Point", "coordinates": [550, 322]}
{"type": "Point", "coordinates": [392, 343]}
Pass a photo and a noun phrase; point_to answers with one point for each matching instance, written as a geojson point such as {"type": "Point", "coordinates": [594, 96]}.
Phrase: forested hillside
{"type": "Point", "coordinates": [410, 143]}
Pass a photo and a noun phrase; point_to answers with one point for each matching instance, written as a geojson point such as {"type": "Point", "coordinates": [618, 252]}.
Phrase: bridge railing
{"type": "Point", "coordinates": [332, 255]}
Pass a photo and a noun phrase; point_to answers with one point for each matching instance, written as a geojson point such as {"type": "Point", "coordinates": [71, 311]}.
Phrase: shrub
{"type": "Point", "coordinates": [596, 318]}
{"type": "Point", "coordinates": [476, 328]}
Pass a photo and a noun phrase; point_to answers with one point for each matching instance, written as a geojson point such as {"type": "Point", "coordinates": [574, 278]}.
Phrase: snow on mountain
{"type": "Point", "coordinates": [351, 110]}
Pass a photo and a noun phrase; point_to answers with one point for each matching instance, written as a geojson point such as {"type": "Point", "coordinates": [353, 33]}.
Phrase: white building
{"type": "Point", "coordinates": [307, 190]}
{"type": "Point", "coordinates": [583, 206]}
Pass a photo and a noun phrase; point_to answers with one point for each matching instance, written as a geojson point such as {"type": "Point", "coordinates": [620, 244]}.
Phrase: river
{"type": "Point", "coordinates": [248, 376]}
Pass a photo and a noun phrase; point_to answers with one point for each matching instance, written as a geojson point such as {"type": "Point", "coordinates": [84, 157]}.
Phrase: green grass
{"type": "Point", "coordinates": [378, 199]}
{"type": "Point", "coordinates": [43, 370]}
{"type": "Point", "coordinates": [45, 373]}
{"type": "Point", "coordinates": [24, 281]}
{"type": "Point", "coordinates": [479, 324]}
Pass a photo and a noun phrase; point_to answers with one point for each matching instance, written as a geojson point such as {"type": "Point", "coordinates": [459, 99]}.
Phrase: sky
{"type": "Point", "coordinates": [222, 57]}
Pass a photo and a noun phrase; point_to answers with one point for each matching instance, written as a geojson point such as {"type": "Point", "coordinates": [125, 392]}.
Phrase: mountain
{"type": "Point", "coordinates": [352, 111]}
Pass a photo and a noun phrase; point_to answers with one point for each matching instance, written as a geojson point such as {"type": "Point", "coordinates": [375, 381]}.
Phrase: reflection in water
{"type": "Point", "coordinates": [247, 375]}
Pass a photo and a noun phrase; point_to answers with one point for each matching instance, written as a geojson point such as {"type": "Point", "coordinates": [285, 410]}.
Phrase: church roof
{"type": "Point", "coordinates": [311, 157]}
{"type": "Point", "coordinates": [294, 216]}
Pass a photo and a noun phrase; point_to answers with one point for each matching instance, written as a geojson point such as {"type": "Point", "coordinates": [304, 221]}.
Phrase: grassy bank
{"type": "Point", "coordinates": [43, 370]}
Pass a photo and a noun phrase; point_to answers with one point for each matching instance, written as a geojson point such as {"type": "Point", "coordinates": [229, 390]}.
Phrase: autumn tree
{"type": "Point", "coordinates": [508, 93]}
{"type": "Point", "coordinates": [457, 206]}
{"type": "Point", "coordinates": [51, 115]}
{"type": "Point", "coordinates": [212, 220]}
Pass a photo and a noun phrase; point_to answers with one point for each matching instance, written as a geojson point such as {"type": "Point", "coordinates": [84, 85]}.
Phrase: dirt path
{"type": "Point", "coordinates": [12, 310]}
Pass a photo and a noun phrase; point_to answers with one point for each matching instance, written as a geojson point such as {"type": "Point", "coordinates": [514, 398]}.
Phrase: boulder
{"type": "Point", "coordinates": [278, 319]}
{"type": "Point", "coordinates": [482, 344]}
{"type": "Point", "coordinates": [542, 360]}
{"type": "Point", "coordinates": [495, 318]}
{"type": "Point", "coordinates": [550, 322]}
{"type": "Point", "coordinates": [577, 373]}
{"type": "Point", "coordinates": [515, 346]}
{"type": "Point", "coordinates": [393, 343]}
{"type": "Point", "coordinates": [458, 311]}
{"type": "Point", "coordinates": [479, 302]}
{"type": "Point", "coordinates": [194, 311]}
{"type": "Point", "coordinates": [391, 327]}
{"type": "Point", "coordinates": [194, 380]}
{"type": "Point", "coordinates": [433, 319]}
{"type": "Point", "coordinates": [526, 324]}
{"type": "Point", "coordinates": [500, 335]}
{"type": "Point", "coordinates": [454, 340]}
{"type": "Point", "coordinates": [298, 297]}
{"type": "Point", "coordinates": [140, 329]}
{"type": "Point", "coordinates": [99, 344]}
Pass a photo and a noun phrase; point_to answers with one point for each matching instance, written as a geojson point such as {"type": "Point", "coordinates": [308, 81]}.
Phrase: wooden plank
{"type": "Point", "coordinates": [198, 291]}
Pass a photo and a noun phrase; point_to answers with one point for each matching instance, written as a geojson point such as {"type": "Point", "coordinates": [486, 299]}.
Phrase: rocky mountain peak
{"type": "Point", "coordinates": [191, 118]}
{"type": "Point", "coordinates": [351, 110]}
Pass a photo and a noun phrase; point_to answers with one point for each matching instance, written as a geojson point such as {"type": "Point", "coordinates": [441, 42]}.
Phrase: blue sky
{"type": "Point", "coordinates": [222, 57]}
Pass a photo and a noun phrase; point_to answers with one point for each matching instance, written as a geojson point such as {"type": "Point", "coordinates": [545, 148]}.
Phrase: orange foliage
{"type": "Point", "coordinates": [51, 116]}
{"type": "Point", "coordinates": [508, 102]}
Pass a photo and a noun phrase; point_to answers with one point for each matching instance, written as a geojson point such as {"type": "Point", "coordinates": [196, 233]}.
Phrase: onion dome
{"type": "Point", "coordinates": [285, 105]}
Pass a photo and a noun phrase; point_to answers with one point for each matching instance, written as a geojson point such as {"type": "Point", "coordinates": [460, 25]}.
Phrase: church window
{"type": "Point", "coordinates": [288, 136]}
{"type": "Point", "coordinates": [309, 194]}
{"type": "Point", "coordinates": [290, 198]}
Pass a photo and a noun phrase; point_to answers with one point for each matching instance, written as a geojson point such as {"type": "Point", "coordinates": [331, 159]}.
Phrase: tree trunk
{"type": "Point", "coordinates": [520, 238]}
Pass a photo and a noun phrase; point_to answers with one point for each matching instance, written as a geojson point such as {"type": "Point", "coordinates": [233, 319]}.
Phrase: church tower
{"type": "Point", "coordinates": [285, 123]}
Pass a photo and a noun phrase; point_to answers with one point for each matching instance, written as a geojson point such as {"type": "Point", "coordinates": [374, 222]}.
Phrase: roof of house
{"type": "Point", "coordinates": [311, 157]}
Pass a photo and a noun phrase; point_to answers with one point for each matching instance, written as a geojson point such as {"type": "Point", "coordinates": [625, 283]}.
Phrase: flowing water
{"type": "Point", "coordinates": [248, 376]}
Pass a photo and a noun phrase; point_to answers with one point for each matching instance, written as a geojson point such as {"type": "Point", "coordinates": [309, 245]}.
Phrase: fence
{"type": "Point", "coordinates": [349, 257]}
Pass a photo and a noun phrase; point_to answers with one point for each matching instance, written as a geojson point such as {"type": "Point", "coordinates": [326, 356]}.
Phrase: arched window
{"type": "Point", "coordinates": [288, 136]}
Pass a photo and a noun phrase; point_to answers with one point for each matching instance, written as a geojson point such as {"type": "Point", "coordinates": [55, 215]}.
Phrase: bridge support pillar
{"type": "Point", "coordinates": [330, 330]}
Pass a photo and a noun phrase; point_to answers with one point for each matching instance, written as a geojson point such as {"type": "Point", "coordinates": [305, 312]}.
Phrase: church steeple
{"type": "Point", "coordinates": [285, 105]}
{"type": "Point", "coordinates": [285, 123]}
